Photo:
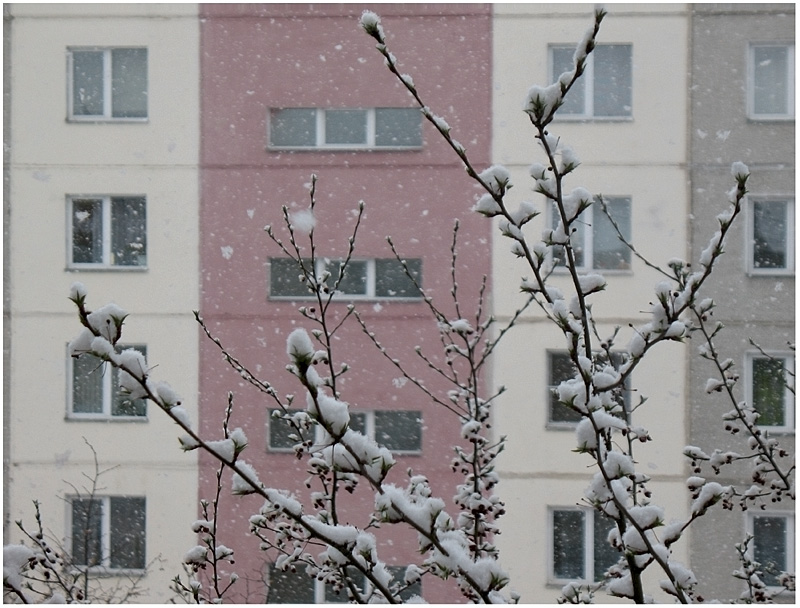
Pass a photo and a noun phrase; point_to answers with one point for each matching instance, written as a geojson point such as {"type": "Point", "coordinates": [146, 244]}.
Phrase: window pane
{"type": "Point", "coordinates": [87, 517]}
{"type": "Point", "coordinates": [612, 80]}
{"type": "Point", "coordinates": [345, 127]}
{"type": "Point", "coordinates": [605, 555]}
{"type": "Point", "coordinates": [391, 280]}
{"type": "Point", "coordinates": [398, 578]}
{"type": "Point", "coordinates": [87, 83]}
{"type": "Point", "coordinates": [122, 404]}
{"type": "Point", "coordinates": [769, 547]}
{"type": "Point", "coordinates": [128, 231]}
{"type": "Point", "coordinates": [574, 102]}
{"type": "Point", "coordinates": [399, 431]}
{"type": "Point", "coordinates": [769, 234]}
{"type": "Point", "coordinates": [129, 83]}
{"type": "Point", "coordinates": [354, 281]}
{"type": "Point", "coordinates": [561, 369]}
{"type": "Point", "coordinates": [87, 231]}
{"type": "Point", "coordinates": [340, 596]}
{"type": "Point", "coordinates": [279, 432]}
{"type": "Point", "coordinates": [358, 422]}
{"type": "Point", "coordinates": [770, 85]}
{"type": "Point", "coordinates": [398, 127]}
{"type": "Point", "coordinates": [127, 543]}
{"type": "Point", "coordinates": [293, 127]}
{"type": "Point", "coordinates": [769, 389]}
{"type": "Point", "coordinates": [609, 252]}
{"type": "Point", "coordinates": [87, 385]}
{"type": "Point", "coordinates": [577, 239]}
{"type": "Point", "coordinates": [289, 587]}
{"type": "Point", "coordinates": [568, 544]}
{"type": "Point", "coordinates": [284, 278]}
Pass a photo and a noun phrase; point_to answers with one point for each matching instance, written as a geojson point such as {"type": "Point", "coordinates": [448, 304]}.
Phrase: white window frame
{"type": "Point", "coordinates": [321, 144]}
{"type": "Point", "coordinates": [588, 544]}
{"type": "Point", "coordinates": [107, 388]}
{"type": "Point", "coordinates": [750, 236]}
{"type": "Point", "coordinates": [790, 84]}
{"type": "Point", "coordinates": [105, 534]}
{"type": "Point", "coordinates": [788, 396]}
{"type": "Point", "coordinates": [588, 79]}
{"type": "Point", "coordinates": [369, 431]}
{"type": "Point", "coordinates": [790, 536]}
{"type": "Point", "coordinates": [106, 116]}
{"type": "Point", "coordinates": [323, 263]}
{"type": "Point", "coordinates": [107, 206]}
{"type": "Point", "coordinates": [584, 223]}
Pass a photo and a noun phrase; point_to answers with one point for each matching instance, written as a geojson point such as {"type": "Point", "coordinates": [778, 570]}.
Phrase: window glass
{"type": "Point", "coordinates": [770, 84]}
{"type": "Point", "coordinates": [398, 578]}
{"type": "Point", "coordinates": [87, 517]}
{"type": "Point", "coordinates": [293, 127]}
{"type": "Point", "coordinates": [609, 253]}
{"type": "Point", "coordinates": [398, 127]}
{"type": "Point", "coordinates": [769, 547]}
{"type": "Point", "coordinates": [87, 385]}
{"type": "Point", "coordinates": [560, 369]}
{"type": "Point", "coordinates": [284, 278]}
{"type": "Point", "coordinates": [354, 281]}
{"type": "Point", "coordinates": [575, 101]}
{"type": "Point", "coordinates": [129, 83]}
{"type": "Point", "coordinates": [345, 127]}
{"type": "Point", "coordinates": [289, 587]}
{"type": "Point", "coordinates": [605, 555]}
{"type": "Point", "coordinates": [128, 231]}
{"type": "Point", "coordinates": [769, 389]}
{"type": "Point", "coordinates": [358, 422]}
{"type": "Point", "coordinates": [279, 432]}
{"type": "Point", "coordinates": [612, 80]}
{"type": "Point", "coordinates": [577, 239]}
{"type": "Point", "coordinates": [87, 83]}
{"type": "Point", "coordinates": [399, 430]}
{"type": "Point", "coordinates": [568, 544]}
{"type": "Point", "coordinates": [87, 231]}
{"type": "Point", "coordinates": [122, 404]}
{"type": "Point", "coordinates": [340, 596]}
{"type": "Point", "coordinates": [127, 529]}
{"type": "Point", "coordinates": [391, 280]}
{"type": "Point", "coordinates": [770, 234]}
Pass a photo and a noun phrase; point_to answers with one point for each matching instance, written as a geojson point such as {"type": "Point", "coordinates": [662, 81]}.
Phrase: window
{"type": "Point", "coordinates": [107, 231]}
{"type": "Point", "coordinates": [107, 84]}
{"type": "Point", "coordinates": [373, 278]}
{"type": "Point", "coordinates": [770, 235]}
{"type": "Point", "coordinates": [560, 368]}
{"type": "Point", "coordinates": [595, 242]}
{"type": "Point", "coordinates": [109, 532]}
{"type": "Point", "coordinates": [769, 380]}
{"type": "Point", "coordinates": [579, 545]}
{"type": "Point", "coordinates": [345, 128]}
{"type": "Point", "coordinates": [95, 391]}
{"type": "Point", "coordinates": [604, 90]}
{"type": "Point", "coordinates": [397, 430]}
{"type": "Point", "coordinates": [772, 545]}
{"type": "Point", "coordinates": [771, 81]}
{"type": "Point", "coordinates": [299, 588]}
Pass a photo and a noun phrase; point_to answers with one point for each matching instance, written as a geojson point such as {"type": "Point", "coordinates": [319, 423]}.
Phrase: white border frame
{"type": "Point", "coordinates": [790, 85]}
{"type": "Point", "coordinates": [788, 396]}
{"type": "Point", "coordinates": [107, 80]}
{"type": "Point", "coordinates": [750, 269]}
{"type": "Point", "coordinates": [790, 537]}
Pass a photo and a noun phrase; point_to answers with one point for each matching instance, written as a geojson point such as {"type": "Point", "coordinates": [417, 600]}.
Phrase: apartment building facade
{"type": "Point", "coordinates": [102, 188]}
{"type": "Point", "coordinates": [743, 109]}
{"type": "Point", "coordinates": [628, 125]}
{"type": "Point", "coordinates": [291, 91]}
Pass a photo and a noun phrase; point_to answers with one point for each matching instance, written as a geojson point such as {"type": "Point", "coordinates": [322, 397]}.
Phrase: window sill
{"type": "Point", "coordinates": [770, 273]}
{"type": "Point", "coordinates": [105, 572]}
{"type": "Point", "coordinates": [592, 119]}
{"type": "Point", "coordinates": [561, 426]}
{"type": "Point", "coordinates": [326, 149]}
{"type": "Point", "coordinates": [93, 120]}
{"type": "Point", "coordinates": [344, 299]}
{"type": "Point", "coordinates": [621, 272]}
{"type": "Point", "coordinates": [105, 268]}
{"type": "Point", "coordinates": [769, 119]}
{"type": "Point", "coordinates": [105, 418]}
